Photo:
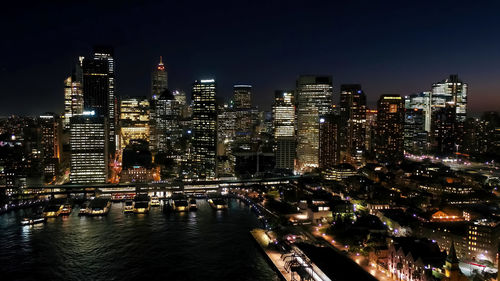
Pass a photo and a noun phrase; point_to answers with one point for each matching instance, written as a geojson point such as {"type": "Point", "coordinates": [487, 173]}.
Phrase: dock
{"type": "Point", "coordinates": [273, 256]}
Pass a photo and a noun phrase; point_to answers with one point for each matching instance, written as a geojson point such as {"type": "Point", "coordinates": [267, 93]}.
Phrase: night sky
{"type": "Point", "coordinates": [399, 47]}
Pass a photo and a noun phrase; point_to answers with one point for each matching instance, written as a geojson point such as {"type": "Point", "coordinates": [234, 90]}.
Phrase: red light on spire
{"type": "Point", "coordinates": [160, 65]}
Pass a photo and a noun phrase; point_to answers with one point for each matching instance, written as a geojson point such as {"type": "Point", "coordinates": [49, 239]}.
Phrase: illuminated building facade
{"type": "Point", "coordinates": [88, 142]}
{"type": "Point", "coordinates": [137, 163]}
{"type": "Point", "coordinates": [390, 120]}
{"type": "Point", "coordinates": [415, 136]}
{"type": "Point", "coordinates": [314, 97]}
{"type": "Point", "coordinates": [50, 140]}
{"type": "Point", "coordinates": [226, 130]}
{"type": "Point", "coordinates": [159, 80]}
{"type": "Point", "coordinates": [371, 130]}
{"type": "Point", "coordinates": [449, 95]}
{"type": "Point", "coordinates": [204, 128]}
{"type": "Point", "coordinates": [245, 116]}
{"type": "Point", "coordinates": [329, 154]}
{"type": "Point", "coordinates": [417, 127]}
{"type": "Point", "coordinates": [483, 240]}
{"type": "Point", "coordinates": [226, 133]}
{"type": "Point", "coordinates": [451, 90]}
{"type": "Point", "coordinates": [134, 120]}
{"type": "Point", "coordinates": [99, 89]}
{"type": "Point", "coordinates": [166, 116]}
{"type": "Point", "coordinates": [284, 129]}
{"type": "Point", "coordinates": [73, 100]}
{"type": "Point", "coordinates": [353, 122]}
{"type": "Point", "coordinates": [444, 130]}
{"type": "Point", "coordinates": [242, 98]}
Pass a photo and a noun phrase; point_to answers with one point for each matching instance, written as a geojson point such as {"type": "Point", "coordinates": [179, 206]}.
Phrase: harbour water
{"type": "Point", "coordinates": [200, 245]}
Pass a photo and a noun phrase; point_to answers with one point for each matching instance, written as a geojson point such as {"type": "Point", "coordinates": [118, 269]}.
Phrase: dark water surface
{"type": "Point", "coordinates": [201, 245]}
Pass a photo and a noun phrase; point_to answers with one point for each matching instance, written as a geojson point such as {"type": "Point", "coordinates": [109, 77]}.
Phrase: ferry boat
{"type": "Point", "coordinates": [141, 207]}
{"type": "Point", "coordinates": [36, 219]}
{"type": "Point", "coordinates": [52, 210]}
{"type": "Point", "coordinates": [155, 201]}
{"type": "Point", "coordinates": [218, 203]}
{"type": "Point", "coordinates": [66, 210]}
{"type": "Point", "coordinates": [180, 205]}
{"type": "Point", "coordinates": [99, 206]}
{"type": "Point", "coordinates": [84, 209]}
{"type": "Point", "coordinates": [129, 206]}
{"type": "Point", "coordinates": [192, 204]}
{"type": "Point", "coordinates": [142, 204]}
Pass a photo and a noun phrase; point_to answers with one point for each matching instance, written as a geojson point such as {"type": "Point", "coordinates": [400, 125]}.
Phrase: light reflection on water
{"type": "Point", "coordinates": [201, 245]}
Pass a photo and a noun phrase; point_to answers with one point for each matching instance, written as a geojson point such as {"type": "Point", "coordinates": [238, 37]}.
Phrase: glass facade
{"type": "Point", "coordinates": [314, 98]}
{"type": "Point", "coordinates": [204, 128]}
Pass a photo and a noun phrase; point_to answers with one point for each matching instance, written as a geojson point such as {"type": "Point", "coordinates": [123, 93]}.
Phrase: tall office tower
{"type": "Point", "coordinates": [242, 105]}
{"type": "Point", "coordinates": [314, 97]}
{"type": "Point", "coordinates": [390, 120]}
{"type": "Point", "coordinates": [226, 130]}
{"type": "Point", "coordinates": [159, 80]}
{"type": "Point", "coordinates": [353, 122]}
{"type": "Point", "coordinates": [415, 136]}
{"type": "Point", "coordinates": [371, 131]}
{"type": "Point", "coordinates": [73, 100]}
{"type": "Point", "coordinates": [422, 101]}
{"type": "Point", "coordinates": [89, 142]}
{"type": "Point", "coordinates": [451, 90]}
{"type": "Point", "coordinates": [50, 140]}
{"type": "Point", "coordinates": [242, 99]}
{"type": "Point", "coordinates": [226, 133]}
{"type": "Point", "coordinates": [284, 129]}
{"type": "Point", "coordinates": [477, 136]}
{"type": "Point", "coordinates": [491, 122]}
{"type": "Point", "coordinates": [417, 127]}
{"type": "Point", "coordinates": [204, 128]}
{"type": "Point", "coordinates": [134, 120]}
{"type": "Point", "coordinates": [329, 133]}
{"type": "Point", "coordinates": [99, 89]}
{"type": "Point", "coordinates": [444, 130]}
{"type": "Point", "coordinates": [167, 123]}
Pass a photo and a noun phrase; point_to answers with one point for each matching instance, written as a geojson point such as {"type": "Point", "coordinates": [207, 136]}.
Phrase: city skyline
{"type": "Point", "coordinates": [398, 55]}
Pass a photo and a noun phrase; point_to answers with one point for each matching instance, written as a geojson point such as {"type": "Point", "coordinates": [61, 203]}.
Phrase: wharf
{"type": "Point", "coordinates": [273, 256]}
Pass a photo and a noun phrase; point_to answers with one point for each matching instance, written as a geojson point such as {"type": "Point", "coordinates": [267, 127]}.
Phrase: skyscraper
{"type": "Point", "coordinates": [449, 95]}
{"type": "Point", "coordinates": [444, 130]}
{"type": "Point", "coordinates": [390, 119]}
{"type": "Point", "coordinates": [415, 136]}
{"type": "Point", "coordinates": [134, 120]}
{"type": "Point", "coordinates": [284, 129]}
{"type": "Point", "coordinates": [73, 100]}
{"type": "Point", "coordinates": [99, 89]}
{"type": "Point", "coordinates": [167, 122]}
{"type": "Point", "coordinates": [353, 122]}
{"type": "Point", "coordinates": [204, 128]}
{"type": "Point", "coordinates": [314, 98]}
{"type": "Point", "coordinates": [451, 90]}
{"type": "Point", "coordinates": [159, 80]}
{"type": "Point", "coordinates": [242, 105]}
{"type": "Point", "coordinates": [417, 127]}
{"type": "Point", "coordinates": [73, 94]}
{"type": "Point", "coordinates": [242, 99]}
{"type": "Point", "coordinates": [88, 142]}
{"type": "Point", "coordinates": [329, 155]}
{"type": "Point", "coordinates": [50, 140]}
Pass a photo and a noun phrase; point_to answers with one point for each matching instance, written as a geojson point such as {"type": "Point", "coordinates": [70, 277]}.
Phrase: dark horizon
{"type": "Point", "coordinates": [389, 48]}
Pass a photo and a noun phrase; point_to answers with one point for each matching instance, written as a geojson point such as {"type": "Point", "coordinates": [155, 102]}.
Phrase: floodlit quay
{"type": "Point", "coordinates": [161, 189]}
